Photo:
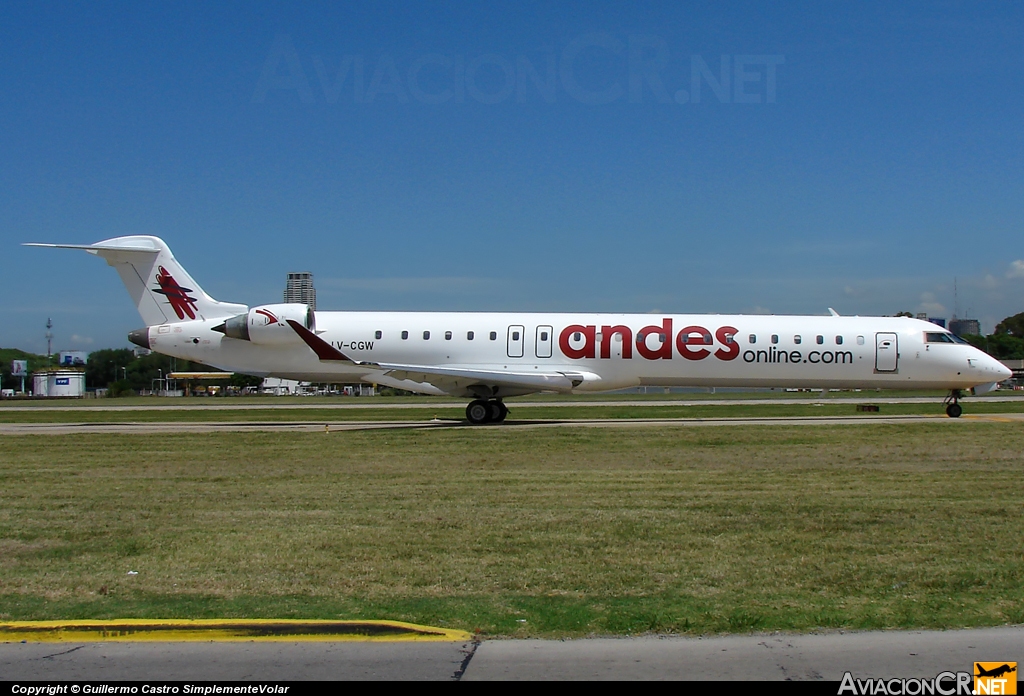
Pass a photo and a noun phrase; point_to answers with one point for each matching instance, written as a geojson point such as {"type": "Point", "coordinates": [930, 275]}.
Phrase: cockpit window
{"type": "Point", "coordinates": [936, 337]}
{"type": "Point", "coordinates": [957, 339]}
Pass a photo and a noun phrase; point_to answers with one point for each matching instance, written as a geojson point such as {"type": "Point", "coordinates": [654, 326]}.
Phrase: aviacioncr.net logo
{"type": "Point", "coordinates": [943, 684]}
{"type": "Point", "coordinates": [995, 678]}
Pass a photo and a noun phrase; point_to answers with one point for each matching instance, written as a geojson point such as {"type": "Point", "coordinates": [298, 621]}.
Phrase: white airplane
{"type": "Point", "coordinates": [489, 356]}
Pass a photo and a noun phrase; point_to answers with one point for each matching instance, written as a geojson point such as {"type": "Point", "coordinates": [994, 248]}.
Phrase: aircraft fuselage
{"type": "Point", "coordinates": [611, 351]}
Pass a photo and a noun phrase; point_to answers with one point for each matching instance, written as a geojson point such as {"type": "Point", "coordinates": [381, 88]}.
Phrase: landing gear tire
{"type": "Point", "coordinates": [953, 408]}
{"type": "Point", "coordinates": [478, 412]}
{"type": "Point", "coordinates": [498, 411]}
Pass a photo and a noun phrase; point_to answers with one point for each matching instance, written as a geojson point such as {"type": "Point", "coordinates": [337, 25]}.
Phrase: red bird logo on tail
{"type": "Point", "coordinates": [176, 295]}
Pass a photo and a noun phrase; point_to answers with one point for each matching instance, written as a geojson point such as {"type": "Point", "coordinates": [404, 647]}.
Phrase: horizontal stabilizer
{"type": "Point", "coordinates": [162, 290]}
{"type": "Point", "coordinates": [95, 248]}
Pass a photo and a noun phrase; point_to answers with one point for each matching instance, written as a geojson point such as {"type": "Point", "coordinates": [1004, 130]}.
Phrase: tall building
{"type": "Point", "coordinates": [963, 327]}
{"type": "Point", "coordinates": [299, 289]}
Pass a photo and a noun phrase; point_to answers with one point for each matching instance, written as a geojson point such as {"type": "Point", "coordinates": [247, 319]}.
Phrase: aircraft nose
{"type": "Point", "coordinates": [1004, 371]}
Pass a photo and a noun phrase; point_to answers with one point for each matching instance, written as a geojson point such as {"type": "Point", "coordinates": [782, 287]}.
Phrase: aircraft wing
{"type": "Point", "coordinates": [452, 378]}
{"type": "Point", "coordinates": [461, 377]}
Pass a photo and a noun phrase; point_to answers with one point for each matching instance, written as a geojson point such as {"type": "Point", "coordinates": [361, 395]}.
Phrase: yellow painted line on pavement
{"type": "Point", "coordinates": [993, 419]}
{"type": "Point", "coordinates": [261, 630]}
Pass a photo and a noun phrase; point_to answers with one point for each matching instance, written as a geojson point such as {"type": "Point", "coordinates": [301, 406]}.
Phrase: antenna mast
{"type": "Point", "coordinates": [49, 340]}
{"type": "Point", "coordinates": [956, 300]}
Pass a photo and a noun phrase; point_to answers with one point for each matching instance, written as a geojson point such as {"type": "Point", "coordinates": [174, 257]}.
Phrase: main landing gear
{"type": "Point", "coordinates": [483, 411]}
{"type": "Point", "coordinates": [953, 408]}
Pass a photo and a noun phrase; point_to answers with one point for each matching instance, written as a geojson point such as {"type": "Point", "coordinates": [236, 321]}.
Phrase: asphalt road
{"type": "Point", "coordinates": [877, 654]}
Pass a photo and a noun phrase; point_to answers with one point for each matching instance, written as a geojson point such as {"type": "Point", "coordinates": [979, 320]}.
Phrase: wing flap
{"type": "Point", "coordinates": [542, 381]}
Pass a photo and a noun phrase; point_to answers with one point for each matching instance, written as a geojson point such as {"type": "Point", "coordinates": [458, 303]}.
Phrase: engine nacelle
{"type": "Point", "coordinates": [267, 325]}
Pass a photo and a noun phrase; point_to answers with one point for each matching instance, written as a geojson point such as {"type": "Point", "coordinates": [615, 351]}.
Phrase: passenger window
{"type": "Point", "coordinates": [730, 339]}
{"type": "Point", "coordinates": [797, 340]}
{"type": "Point", "coordinates": [860, 340]}
{"type": "Point", "coordinates": [543, 335]}
{"type": "Point", "coordinates": [820, 340]}
{"type": "Point", "coordinates": [494, 335]}
{"type": "Point", "coordinates": [577, 336]}
{"type": "Point", "coordinates": [447, 335]}
{"type": "Point", "coordinates": [469, 335]}
{"type": "Point", "coordinates": [839, 340]}
{"type": "Point", "coordinates": [426, 335]}
{"type": "Point", "coordinates": [377, 334]}
{"type": "Point", "coordinates": [515, 335]}
{"type": "Point", "coordinates": [661, 338]}
{"type": "Point", "coordinates": [405, 335]}
{"type": "Point", "coordinates": [775, 338]}
{"type": "Point", "coordinates": [707, 339]}
{"type": "Point", "coordinates": [752, 338]}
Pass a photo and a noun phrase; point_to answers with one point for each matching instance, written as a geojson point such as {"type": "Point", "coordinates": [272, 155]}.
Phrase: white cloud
{"type": "Point", "coordinates": [1016, 269]}
{"type": "Point", "coordinates": [82, 340]}
{"type": "Point", "coordinates": [931, 306]}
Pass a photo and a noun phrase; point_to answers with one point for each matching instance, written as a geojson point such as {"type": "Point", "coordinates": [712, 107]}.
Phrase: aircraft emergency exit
{"type": "Point", "coordinates": [487, 357]}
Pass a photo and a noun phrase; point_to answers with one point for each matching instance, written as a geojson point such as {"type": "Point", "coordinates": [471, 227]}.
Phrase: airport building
{"type": "Point", "coordinates": [938, 321]}
{"type": "Point", "coordinates": [1017, 366]}
{"type": "Point", "coordinates": [299, 289]}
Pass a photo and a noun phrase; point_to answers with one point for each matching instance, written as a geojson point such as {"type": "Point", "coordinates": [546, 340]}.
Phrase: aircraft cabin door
{"type": "Point", "coordinates": [543, 341]}
{"type": "Point", "coordinates": [516, 340]}
{"type": "Point", "coordinates": [886, 352]}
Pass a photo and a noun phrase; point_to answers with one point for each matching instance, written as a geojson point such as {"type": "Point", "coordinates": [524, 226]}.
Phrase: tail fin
{"type": "Point", "coordinates": [162, 290]}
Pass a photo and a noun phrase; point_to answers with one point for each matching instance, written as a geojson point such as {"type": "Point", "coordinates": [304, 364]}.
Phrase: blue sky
{"type": "Point", "coordinates": [515, 156]}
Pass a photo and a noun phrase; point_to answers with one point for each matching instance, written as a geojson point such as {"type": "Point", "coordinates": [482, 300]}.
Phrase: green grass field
{"type": "Point", "coordinates": [553, 532]}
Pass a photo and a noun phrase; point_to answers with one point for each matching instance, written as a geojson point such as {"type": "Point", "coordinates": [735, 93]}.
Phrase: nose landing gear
{"type": "Point", "coordinates": [953, 408]}
{"type": "Point", "coordinates": [483, 411]}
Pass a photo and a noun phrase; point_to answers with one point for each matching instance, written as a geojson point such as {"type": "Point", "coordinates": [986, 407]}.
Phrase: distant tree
{"type": "Point", "coordinates": [121, 387]}
{"type": "Point", "coordinates": [904, 314]}
{"type": "Point", "coordinates": [106, 365]}
{"type": "Point", "coordinates": [131, 372]}
{"type": "Point", "coordinates": [147, 368]}
{"type": "Point", "coordinates": [979, 342]}
{"type": "Point", "coordinates": [1005, 347]}
{"type": "Point", "coordinates": [35, 362]}
{"type": "Point", "coordinates": [1013, 326]}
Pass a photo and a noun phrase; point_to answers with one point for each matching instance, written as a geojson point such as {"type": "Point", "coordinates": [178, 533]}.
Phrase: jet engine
{"type": "Point", "coordinates": [267, 325]}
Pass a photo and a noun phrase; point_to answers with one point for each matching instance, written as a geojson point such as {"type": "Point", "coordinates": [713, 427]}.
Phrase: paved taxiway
{"type": "Point", "coordinates": [341, 426]}
{"type": "Point", "coordinates": [370, 403]}
{"type": "Point", "coordinates": [875, 654]}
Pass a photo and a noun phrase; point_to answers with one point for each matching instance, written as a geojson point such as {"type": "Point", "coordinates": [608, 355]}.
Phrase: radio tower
{"type": "Point", "coordinates": [49, 340]}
